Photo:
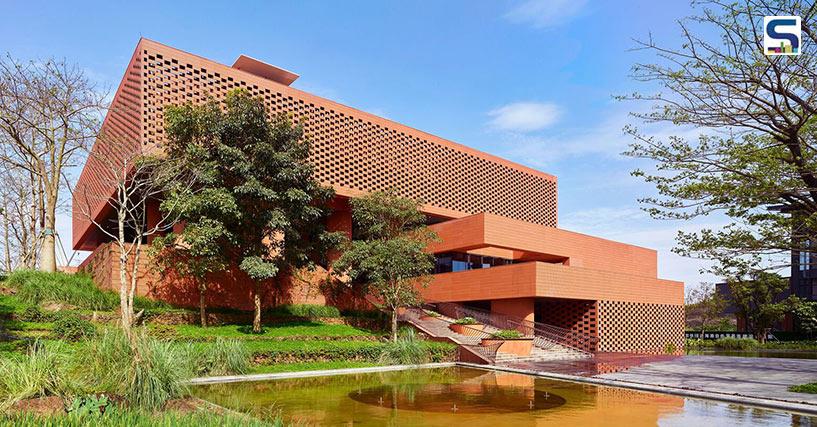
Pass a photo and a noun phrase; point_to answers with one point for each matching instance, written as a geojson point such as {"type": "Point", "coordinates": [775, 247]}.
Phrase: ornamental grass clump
{"type": "Point", "coordinates": [408, 349]}
{"type": "Point", "coordinates": [41, 372]}
{"type": "Point", "coordinates": [224, 357]}
{"type": "Point", "coordinates": [146, 372]}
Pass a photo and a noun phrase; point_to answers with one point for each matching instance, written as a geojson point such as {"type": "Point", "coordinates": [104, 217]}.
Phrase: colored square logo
{"type": "Point", "coordinates": [782, 35]}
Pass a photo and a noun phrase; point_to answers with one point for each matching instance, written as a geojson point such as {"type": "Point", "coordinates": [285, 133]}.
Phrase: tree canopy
{"type": "Point", "coordinates": [388, 259]}
{"type": "Point", "coordinates": [755, 159]}
{"type": "Point", "coordinates": [257, 206]}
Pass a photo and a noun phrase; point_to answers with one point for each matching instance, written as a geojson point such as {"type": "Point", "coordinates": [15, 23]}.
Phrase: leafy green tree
{"type": "Point", "coordinates": [707, 305]}
{"type": "Point", "coordinates": [806, 314]}
{"type": "Point", "coordinates": [257, 207]}
{"type": "Point", "coordinates": [755, 157]}
{"type": "Point", "coordinates": [756, 296]}
{"type": "Point", "coordinates": [389, 259]}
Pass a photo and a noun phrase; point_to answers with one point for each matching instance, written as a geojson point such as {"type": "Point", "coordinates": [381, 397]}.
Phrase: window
{"type": "Point", "coordinates": [457, 261]}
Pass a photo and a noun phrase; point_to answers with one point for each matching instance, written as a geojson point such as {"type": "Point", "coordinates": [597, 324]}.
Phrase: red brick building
{"type": "Point", "coordinates": [500, 248]}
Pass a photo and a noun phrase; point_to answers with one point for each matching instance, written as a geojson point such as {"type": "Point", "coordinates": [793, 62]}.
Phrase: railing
{"type": "Point", "coordinates": [488, 352]}
{"type": "Point", "coordinates": [544, 336]}
{"type": "Point", "coordinates": [713, 335]}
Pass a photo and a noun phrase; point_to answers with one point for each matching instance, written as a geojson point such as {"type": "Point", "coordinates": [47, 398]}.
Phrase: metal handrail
{"type": "Point", "coordinates": [486, 351]}
{"type": "Point", "coordinates": [545, 336]}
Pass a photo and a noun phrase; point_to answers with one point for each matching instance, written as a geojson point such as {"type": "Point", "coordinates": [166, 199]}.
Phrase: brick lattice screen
{"type": "Point", "coordinates": [353, 150]}
{"type": "Point", "coordinates": [576, 315]}
{"type": "Point", "coordinates": [640, 328]}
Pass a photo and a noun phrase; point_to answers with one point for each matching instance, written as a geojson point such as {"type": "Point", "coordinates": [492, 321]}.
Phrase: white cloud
{"type": "Point", "coordinates": [606, 139]}
{"type": "Point", "coordinates": [545, 13]}
{"type": "Point", "coordinates": [524, 116]}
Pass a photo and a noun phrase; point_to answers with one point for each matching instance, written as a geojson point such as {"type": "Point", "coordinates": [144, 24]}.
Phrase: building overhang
{"type": "Point", "coordinates": [493, 235]}
{"type": "Point", "coordinates": [540, 279]}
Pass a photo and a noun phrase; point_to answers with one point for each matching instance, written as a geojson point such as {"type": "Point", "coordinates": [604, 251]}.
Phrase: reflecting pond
{"type": "Point", "coordinates": [473, 398]}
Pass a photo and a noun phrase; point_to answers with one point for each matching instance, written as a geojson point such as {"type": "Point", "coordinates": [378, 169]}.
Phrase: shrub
{"type": "Point", "coordinates": [146, 372]}
{"type": "Point", "coordinates": [224, 357]}
{"type": "Point", "coordinates": [73, 328]}
{"type": "Point", "coordinates": [430, 313]}
{"type": "Point", "coordinates": [305, 310]}
{"type": "Point", "coordinates": [670, 348]}
{"type": "Point", "coordinates": [466, 321]}
{"type": "Point", "coordinates": [508, 334]}
{"type": "Point", "coordinates": [164, 332]}
{"type": "Point", "coordinates": [440, 351]}
{"type": "Point", "coordinates": [34, 313]}
{"type": "Point", "coordinates": [364, 314]}
{"type": "Point", "coordinates": [317, 351]}
{"type": "Point", "coordinates": [41, 373]}
{"type": "Point", "coordinates": [736, 343]}
{"type": "Point", "coordinates": [407, 350]}
{"type": "Point", "coordinates": [804, 388]}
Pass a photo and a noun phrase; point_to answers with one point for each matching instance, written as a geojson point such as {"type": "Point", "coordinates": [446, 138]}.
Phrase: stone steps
{"type": "Point", "coordinates": [438, 327]}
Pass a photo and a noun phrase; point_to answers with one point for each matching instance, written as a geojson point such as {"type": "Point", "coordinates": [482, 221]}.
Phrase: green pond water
{"type": "Point", "coordinates": [473, 398]}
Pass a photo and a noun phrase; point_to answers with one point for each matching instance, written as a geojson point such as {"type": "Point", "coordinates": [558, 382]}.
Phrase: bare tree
{"type": "Point", "coordinates": [21, 217]}
{"type": "Point", "coordinates": [707, 305]}
{"type": "Point", "coordinates": [137, 181]}
{"type": "Point", "coordinates": [49, 113]}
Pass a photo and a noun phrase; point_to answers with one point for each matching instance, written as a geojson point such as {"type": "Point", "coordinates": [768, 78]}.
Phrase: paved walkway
{"type": "Point", "coordinates": [766, 378]}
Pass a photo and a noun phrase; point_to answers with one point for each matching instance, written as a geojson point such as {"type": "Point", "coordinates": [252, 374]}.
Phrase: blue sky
{"type": "Point", "coordinates": [529, 80]}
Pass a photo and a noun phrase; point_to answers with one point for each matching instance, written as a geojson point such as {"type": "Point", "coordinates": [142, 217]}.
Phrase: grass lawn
{"type": "Point", "coordinates": [308, 366]}
{"type": "Point", "coordinates": [804, 388]}
{"type": "Point", "coordinates": [304, 329]}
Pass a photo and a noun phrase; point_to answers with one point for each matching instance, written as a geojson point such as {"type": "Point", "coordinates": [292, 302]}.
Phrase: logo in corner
{"type": "Point", "coordinates": [781, 35]}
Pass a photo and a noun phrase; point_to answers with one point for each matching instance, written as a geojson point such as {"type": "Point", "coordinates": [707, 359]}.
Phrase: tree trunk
{"type": "Point", "coordinates": [202, 306]}
{"type": "Point", "coordinates": [6, 240]}
{"type": "Point", "coordinates": [394, 324]}
{"type": "Point", "coordinates": [123, 273]}
{"type": "Point", "coordinates": [123, 290]}
{"type": "Point", "coordinates": [256, 320]}
{"type": "Point", "coordinates": [48, 252]}
{"type": "Point", "coordinates": [761, 333]}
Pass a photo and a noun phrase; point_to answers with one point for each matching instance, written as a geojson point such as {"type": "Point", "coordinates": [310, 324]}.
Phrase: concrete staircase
{"type": "Point", "coordinates": [439, 327]}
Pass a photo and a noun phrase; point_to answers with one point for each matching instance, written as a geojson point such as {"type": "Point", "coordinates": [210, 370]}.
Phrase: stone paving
{"type": "Point", "coordinates": [766, 378]}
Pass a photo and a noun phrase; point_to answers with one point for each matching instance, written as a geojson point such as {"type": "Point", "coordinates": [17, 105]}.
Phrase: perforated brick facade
{"type": "Point", "coordinates": [353, 151]}
{"type": "Point", "coordinates": [643, 328]}
{"type": "Point", "coordinates": [577, 315]}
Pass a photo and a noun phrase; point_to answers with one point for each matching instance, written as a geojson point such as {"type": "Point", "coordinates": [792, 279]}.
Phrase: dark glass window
{"type": "Point", "coordinates": [457, 261]}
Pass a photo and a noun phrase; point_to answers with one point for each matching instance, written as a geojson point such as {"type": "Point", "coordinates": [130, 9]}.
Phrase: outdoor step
{"type": "Point", "coordinates": [439, 327]}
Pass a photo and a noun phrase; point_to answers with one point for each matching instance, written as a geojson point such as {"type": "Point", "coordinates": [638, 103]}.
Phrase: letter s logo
{"type": "Point", "coordinates": [782, 35]}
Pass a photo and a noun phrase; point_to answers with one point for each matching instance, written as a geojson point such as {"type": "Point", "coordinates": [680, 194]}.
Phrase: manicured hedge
{"type": "Point", "coordinates": [304, 310]}
{"type": "Point", "coordinates": [316, 351]}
